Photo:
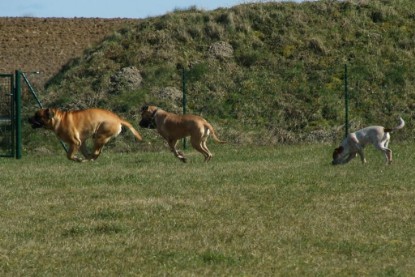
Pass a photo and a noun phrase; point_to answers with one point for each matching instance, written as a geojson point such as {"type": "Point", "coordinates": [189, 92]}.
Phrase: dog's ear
{"type": "Point", "coordinates": [352, 137]}
{"type": "Point", "coordinates": [144, 108]}
{"type": "Point", "coordinates": [49, 113]}
{"type": "Point", "coordinates": [337, 151]}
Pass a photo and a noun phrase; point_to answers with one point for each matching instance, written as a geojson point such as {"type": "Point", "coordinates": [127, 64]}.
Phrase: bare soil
{"type": "Point", "coordinates": [46, 44]}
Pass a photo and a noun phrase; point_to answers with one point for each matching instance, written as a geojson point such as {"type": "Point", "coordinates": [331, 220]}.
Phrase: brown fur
{"type": "Point", "coordinates": [173, 127]}
{"type": "Point", "coordinates": [75, 127]}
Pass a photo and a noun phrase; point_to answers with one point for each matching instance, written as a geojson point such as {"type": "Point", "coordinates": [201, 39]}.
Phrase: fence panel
{"type": "Point", "coordinates": [7, 128]}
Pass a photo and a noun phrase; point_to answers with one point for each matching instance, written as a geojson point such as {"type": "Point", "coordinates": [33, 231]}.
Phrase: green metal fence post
{"type": "Point", "coordinates": [346, 102]}
{"type": "Point", "coordinates": [184, 100]}
{"type": "Point", "coordinates": [18, 115]}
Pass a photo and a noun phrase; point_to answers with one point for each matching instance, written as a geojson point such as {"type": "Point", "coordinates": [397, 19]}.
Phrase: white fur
{"type": "Point", "coordinates": [355, 142]}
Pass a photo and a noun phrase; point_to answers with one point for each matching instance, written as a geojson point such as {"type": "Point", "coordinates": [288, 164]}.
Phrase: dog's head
{"type": "Point", "coordinates": [347, 150]}
{"type": "Point", "coordinates": [42, 118]}
{"type": "Point", "coordinates": [339, 156]}
{"type": "Point", "coordinates": [147, 116]}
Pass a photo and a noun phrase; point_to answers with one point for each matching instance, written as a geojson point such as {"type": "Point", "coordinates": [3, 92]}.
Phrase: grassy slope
{"type": "Point", "coordinates": [284, 82]}
{"type": "Point", "coordinates": [251, 211]}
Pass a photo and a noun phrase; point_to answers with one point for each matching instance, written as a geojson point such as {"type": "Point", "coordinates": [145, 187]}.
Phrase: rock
{"type": "Point", "coordinates": [221, 50]}
{"type": "Point", "coordinates": [128, 78]}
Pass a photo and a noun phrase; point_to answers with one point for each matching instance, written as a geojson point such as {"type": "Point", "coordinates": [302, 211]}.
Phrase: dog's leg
{"type": "Point", "coordinates": [204, 146]}
{"type": "Point", "coordinates": [350, 157]}
{"type": "Point", "coordinates": [388, 155]}
{"type": "Point", "coordinates": [178, 154]}
{"type": "Point", "coordinates": [387, 151]}
{"type": "Point", "coordinates": [85, 151]}
{"type": "Point", "coordinates": [198, 144]}
{"type": "Point", "coordinates": [99, 142]}
{"type": "Point", "coordinates": [73, 149]}
{"type": "Point", "coordinates": [362, 155]}
{"type": "Point", "coordinates": [96, 151]}
{"type": "Point", "coordinates": [358, 147]}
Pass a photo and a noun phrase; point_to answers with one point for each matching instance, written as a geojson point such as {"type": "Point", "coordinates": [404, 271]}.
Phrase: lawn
{"type": "Point", "coordinates": [251, 211]}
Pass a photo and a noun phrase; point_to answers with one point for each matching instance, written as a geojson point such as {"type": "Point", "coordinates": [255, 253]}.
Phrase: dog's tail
{"type": "Point", "coordinates": [400, 126]}
{"type": "Point", "coordinates": [132, 129]}
{"type": "Point", "coordinates": [212, 131]}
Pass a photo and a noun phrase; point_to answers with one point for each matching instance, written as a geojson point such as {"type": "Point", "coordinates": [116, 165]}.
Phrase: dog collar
{"type": "Point", "coordinates": [153, 118]}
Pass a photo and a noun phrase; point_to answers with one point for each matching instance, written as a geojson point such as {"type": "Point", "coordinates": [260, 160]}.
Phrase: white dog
{"type": "Point", "coordinates": [355, 142]}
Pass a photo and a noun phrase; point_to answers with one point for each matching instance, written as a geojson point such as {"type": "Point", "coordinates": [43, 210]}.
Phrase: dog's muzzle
{"type": "Point", "coordinates": [35, 124]}
{"type": "Point", "coordinates": [147, 123]}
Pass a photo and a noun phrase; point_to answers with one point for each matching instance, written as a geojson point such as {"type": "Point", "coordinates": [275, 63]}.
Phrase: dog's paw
{"type": "Point", "coordinates": [79, 160]}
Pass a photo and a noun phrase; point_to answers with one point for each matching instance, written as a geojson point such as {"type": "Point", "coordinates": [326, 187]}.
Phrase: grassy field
{"type": "Point", "coordinates": [251, 211]}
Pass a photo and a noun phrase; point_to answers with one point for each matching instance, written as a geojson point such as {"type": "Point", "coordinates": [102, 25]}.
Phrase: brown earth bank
{"type": "Point", "coordinates": [46, 44]}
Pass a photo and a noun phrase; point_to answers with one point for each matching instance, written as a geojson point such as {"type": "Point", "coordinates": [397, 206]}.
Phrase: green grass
{"type": "Point", "coordinates": [259, 211]}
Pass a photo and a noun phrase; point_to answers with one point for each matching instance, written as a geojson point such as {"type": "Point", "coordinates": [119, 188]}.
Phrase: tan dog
{"type": "Point", "coordinates": [173, 127]}
{"type": "Point", "coordinates": [75, 127]}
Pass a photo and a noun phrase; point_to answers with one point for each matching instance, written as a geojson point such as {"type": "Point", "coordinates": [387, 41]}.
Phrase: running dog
{"type": "Point", "coordinates": [355, 142]}
{"type": "Point", "coordinates": [173, 127]}
{"type": "Point", "coordinates": [75, 127]}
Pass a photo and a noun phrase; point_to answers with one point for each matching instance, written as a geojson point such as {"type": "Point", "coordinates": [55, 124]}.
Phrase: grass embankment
{"type": "Point", "coordinates": [279, 76]}
{"type": "Point", "coordinates": [250, 211]}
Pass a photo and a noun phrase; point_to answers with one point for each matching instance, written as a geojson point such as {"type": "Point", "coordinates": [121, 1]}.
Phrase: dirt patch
{"type": "Point", "coordinates": [171, 97]}
{"type": "Point", "coordinates": [221, 50]}
{"type": "Point", "coordinates": [128, 78]}
{"type": "Point", "coordinates": [46, 44]}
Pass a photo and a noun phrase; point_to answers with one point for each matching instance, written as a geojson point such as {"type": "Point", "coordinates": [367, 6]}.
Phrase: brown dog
{"type": "Point", "coordinates": [173, 127]}
{"type": "Point", "coordinates": [75, 127]}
